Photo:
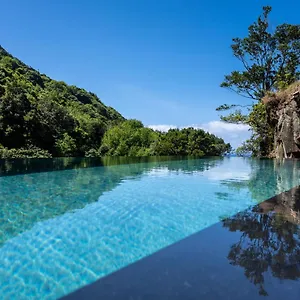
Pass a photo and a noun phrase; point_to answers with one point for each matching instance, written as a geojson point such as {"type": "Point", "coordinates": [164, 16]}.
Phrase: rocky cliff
{"type": "Point", "coordinates": [283, 110]}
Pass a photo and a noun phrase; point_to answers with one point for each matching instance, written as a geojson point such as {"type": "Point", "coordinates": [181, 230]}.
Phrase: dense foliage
{"type": "Point", "coordinates": [131, 138]}
{"type": "Point", "coordinates": [270, 61]}
{"type": "Point", "coordinates": [41, 117]}
{"type": "Point", "coordinates": [29, 152]}
{"type": "Point", "coordinates": [51, 115]}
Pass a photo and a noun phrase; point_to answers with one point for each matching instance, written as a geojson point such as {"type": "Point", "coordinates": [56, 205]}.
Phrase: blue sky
{"type": "Point", "coordinates": [159, 61]}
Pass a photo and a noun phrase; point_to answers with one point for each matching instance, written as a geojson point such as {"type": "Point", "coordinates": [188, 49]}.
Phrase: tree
{"type": "Point", "coordinates": [270, 61]}
{"type": "Point", "coordinates": [65, 146]}
{"type": "Point", "coordinates": [14, 106]}
{"type": "Point", "coordinates": [130, 138]}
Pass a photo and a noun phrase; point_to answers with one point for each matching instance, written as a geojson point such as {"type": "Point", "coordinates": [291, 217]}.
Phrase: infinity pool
{"type": "Point", "coordinates": [60, 230]}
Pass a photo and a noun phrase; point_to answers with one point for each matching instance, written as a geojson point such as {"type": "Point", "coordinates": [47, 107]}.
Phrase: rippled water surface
{"type": "Point", "coordinates": [60, 230]}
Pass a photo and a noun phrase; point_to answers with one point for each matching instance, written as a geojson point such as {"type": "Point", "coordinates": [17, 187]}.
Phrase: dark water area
{"type": "Point", "coordinates": [254, 254]}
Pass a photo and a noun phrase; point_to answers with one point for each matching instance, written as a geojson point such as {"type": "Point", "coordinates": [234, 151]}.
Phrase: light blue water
{"type": "Point", "coordinates": [64, 229]}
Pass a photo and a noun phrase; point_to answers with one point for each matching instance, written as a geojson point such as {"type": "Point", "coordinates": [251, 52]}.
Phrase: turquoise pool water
{"type": "Point", "coordinates": [63, 229]}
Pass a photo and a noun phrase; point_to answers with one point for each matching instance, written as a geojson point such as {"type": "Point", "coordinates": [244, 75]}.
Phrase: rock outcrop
{"type": "Point", "coordinates": [284, 117]}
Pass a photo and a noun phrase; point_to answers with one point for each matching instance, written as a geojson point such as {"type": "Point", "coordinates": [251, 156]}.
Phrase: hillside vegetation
{"type": "Point", "coordinates": [51, 115]}
{"type": "Point", "coordinates": [42, 117]}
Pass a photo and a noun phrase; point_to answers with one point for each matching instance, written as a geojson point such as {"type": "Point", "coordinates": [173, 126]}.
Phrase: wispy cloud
{"type": "Point", "coordinates": [234, 134]}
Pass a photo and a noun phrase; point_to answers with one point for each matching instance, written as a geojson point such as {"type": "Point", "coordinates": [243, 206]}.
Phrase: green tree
{"type": "Point", "coordinates": [14, 106]}
{"type": "Point", "coordinates": [270, 61]}
{"type": "Point", "coordinates": [65, 146]}
{"type": "Point", "coordinates": [130, 138]}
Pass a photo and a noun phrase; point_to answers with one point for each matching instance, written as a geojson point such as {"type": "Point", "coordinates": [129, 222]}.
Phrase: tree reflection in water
{"type": "Point", "coordinates": [270, 239]}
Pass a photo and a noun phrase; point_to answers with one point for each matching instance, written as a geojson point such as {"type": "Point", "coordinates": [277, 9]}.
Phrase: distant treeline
{"type": "Point", "coordinates": [131, 138]}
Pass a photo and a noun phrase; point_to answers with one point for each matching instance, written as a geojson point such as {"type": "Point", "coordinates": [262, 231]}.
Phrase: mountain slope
{"type": "Point", "coordinates": [39, 111]}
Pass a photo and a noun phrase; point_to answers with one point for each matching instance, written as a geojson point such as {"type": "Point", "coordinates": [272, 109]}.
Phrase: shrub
{"type": "Point", "coordinates": [65, 146]}
{"type": "Point", "coordinates": [92, 153]}
{"type": "Point", "coordinates": [30, 152]}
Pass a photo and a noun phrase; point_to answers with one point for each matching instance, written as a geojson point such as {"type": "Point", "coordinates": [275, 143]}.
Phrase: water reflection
{"type": "Point", "coordinates": [265, 177]}
{"type": "Point", "coordinates": [269, 240]}
{"type": "Point", "coordinates": [22, 166]}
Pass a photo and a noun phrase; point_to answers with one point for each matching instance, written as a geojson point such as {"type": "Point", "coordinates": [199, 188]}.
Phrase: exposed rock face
{"type": "Point", "coordinates": [284, 116]}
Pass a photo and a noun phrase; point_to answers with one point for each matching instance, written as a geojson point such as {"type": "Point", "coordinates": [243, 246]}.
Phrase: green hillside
{"type": "Point", "coordinates": [36, 110]}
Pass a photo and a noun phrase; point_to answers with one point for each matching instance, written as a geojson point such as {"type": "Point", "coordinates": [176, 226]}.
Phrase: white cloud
{"type": "Point", "coordinates": [234, 134]}
{"type": "Point", "coordinates": [163, 128]}
{"type": "Point", "coordinates": [219, 127]}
